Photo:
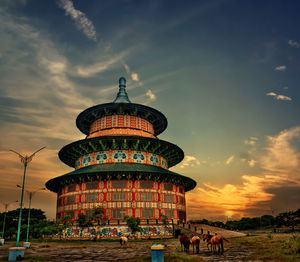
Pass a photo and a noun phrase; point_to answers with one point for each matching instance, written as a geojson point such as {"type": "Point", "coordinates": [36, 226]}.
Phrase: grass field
{"type": "Point", "coordinates": [276, 247]}
{"type": "Point", "coordinates": [262, 247]}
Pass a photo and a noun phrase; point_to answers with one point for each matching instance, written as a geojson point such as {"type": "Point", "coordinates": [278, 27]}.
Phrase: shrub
{"type": "Point", "coordinates": [293, 245]}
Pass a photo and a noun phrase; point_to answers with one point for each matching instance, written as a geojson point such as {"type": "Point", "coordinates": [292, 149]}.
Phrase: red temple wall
{"type": "Point", "coordinates": [161, 201]}
{"type": "Point", "coordinates": [121, 124]}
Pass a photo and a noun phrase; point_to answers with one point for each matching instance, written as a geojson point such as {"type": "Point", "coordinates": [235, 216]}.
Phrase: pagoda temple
{"type": "Point", "coordinates": [122, 166]}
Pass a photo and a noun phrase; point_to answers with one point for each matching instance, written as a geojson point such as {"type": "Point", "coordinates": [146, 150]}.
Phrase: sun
{"type": "Point", "coordinates": [228, 213]}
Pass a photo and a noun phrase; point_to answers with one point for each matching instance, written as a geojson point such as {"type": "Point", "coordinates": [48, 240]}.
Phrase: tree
{"type": "Point", "coordinates": [133, 223]}
{"type": "Point", "coordinates": [289, 219]}
{"type": "Point", "coordinates": [44, 228]}
{"type": "Point", "coordinates": [164, 219]}
{"type": "Point", "coordinates": [83, 222]}
{"type": "Point", "coordinates": [200, 221]}
{"type": "Point", "coordinates": [98, 215]}
{"type": "Point", "coordinates": [232, 224]}
{"type": "Point", "coordinates": [267, 220]}
{"type": "Point", "coordinates": [297, 214]}
{"type": "Point", "coordinates": [64, 223]}
{"type": "Point", "coordinates": [37, 216]}
{"type": "Point", "coordinates": [218, 224]}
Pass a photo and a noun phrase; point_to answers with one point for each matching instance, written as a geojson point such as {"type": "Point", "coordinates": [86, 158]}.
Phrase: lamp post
{"type": "Point", "coordinates": [3, 229]}
{"type": "Point", "coordinates": [30, 193]}
{"type": "Point", "coordinates": [15, 252]}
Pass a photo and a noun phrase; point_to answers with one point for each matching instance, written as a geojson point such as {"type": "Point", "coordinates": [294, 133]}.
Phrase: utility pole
{"type": "Point", "coordinates": [25, 161]}
{"type": "Point", "coordinates": [3, 228]}
{"type": "Point", "coordinates": [30, 193]}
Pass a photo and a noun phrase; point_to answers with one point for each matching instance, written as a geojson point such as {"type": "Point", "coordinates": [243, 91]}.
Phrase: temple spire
{"type": "Point", "coordinates": [122, 96]}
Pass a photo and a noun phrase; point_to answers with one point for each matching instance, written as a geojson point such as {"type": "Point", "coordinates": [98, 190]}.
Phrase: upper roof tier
{"type": "Point", "coordinates": [121, 106]}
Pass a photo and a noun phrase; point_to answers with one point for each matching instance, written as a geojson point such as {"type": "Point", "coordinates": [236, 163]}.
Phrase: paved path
{"type": "Point", "coordinates": [111, 251]}
{"type": "Point", "coordinates": [220, 231]}
{"type": "Point", "coordinates": [101, 251]}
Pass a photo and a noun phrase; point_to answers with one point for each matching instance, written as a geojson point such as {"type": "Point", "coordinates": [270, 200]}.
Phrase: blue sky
{"type": "Point", "coordinates": [225, 74]}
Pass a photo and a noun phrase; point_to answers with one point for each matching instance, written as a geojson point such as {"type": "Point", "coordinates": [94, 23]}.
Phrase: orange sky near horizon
{"type": "Point", "coordinates": [214, 202]}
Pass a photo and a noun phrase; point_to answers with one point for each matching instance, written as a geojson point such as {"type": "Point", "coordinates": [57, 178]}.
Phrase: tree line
{"type": "Point", "coordinates": [40, 226]}
{"type": "Point", "coordinates": [288, 219]}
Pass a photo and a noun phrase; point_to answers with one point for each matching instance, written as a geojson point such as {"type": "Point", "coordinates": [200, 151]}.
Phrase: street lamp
{"type": "Point", "coordinates": [30, 193]}
{"type": "Point", "coordinates": [3, 229]}
{"type": "Point", "coordinates": [25, 161]}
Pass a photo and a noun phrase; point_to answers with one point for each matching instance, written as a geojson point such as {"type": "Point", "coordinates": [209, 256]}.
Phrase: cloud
{"type": "Point", "coordinates": [271, 94]}
{"type": "Point", "coordinates": [251, 163]}
{"type": "Point", "coordinates": [81, 20]}
{"type": "Point", "coordinates": [37, 109]}
{"type": "Point", "coordinates": [40, 99]}
{"type": "Point", "coordinates": [229, 160]}
{"type": "Point", "coordinates": [285, 88]}
{"type": "Point", "coordinates": [256, 194]}
{"type": "Point", "coordinates": [283, 195]}
{"type": "Point", "coordinates": [279, 97]}
{"type": "Point", "coordinates": [135, 77]}
{"type": "Point", "coordinates": [127, 68]}
{"type": "Point", "coordinates": [282, 97]}
{"type": "Point", "coordinates": [237, 199]}
{"type": "Point", "coordinates": [250, 198]}
{"type": "Point", "coordinates": [293, 43]}
{"type": "Point", "coordinates": [88, 71]}
{"type": "Point", "coordinates": [251, 141]}
{"type": "Point", "coordinates": [150, 94]}
{"type": "Point", "coordinates": [189, 161]}
{"type": "Point", "coordinates": [281, 155]}
{"type": "Point", "coordinates": [280, 68]}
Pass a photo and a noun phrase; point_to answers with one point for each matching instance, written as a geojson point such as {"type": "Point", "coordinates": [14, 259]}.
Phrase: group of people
{"type": "Point", "coordinates": [214, 241]}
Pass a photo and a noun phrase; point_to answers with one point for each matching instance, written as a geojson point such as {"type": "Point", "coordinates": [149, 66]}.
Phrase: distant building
{"type": "Point", "coordinates": [122, 166]}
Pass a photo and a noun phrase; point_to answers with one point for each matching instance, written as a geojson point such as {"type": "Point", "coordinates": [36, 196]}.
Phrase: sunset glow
{"type": "Point", "coordinates": [225, 76]}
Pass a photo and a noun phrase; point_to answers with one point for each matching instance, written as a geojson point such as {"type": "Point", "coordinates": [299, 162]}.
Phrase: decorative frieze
{"type": "Point", "coordinates": [121, 156]}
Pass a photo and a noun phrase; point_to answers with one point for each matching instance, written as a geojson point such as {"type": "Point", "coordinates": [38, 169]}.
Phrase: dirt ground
{"type": "Point", "coordinates": [112, 251]}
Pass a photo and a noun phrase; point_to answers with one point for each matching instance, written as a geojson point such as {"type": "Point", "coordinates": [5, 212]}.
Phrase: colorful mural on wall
{"type": "Point", "coordinates": [118, 230]}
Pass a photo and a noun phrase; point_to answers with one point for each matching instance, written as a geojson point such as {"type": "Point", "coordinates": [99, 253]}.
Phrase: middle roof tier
{"type": "Point", "coordinates": [70, 153]}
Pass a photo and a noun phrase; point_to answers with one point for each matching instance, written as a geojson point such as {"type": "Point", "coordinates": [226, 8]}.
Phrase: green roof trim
{"type": "Point", "coordinates": [120, 171]}
{"type": "Point", "coordinates": [71, 152]}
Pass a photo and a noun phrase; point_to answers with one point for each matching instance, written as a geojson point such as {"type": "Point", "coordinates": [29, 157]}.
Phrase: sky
{"type": "Point", "coordinates": [224, 73]}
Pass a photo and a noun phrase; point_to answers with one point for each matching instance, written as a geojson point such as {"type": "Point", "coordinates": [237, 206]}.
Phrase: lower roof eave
{"type": "Point", "coordinates": [120, 171]}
